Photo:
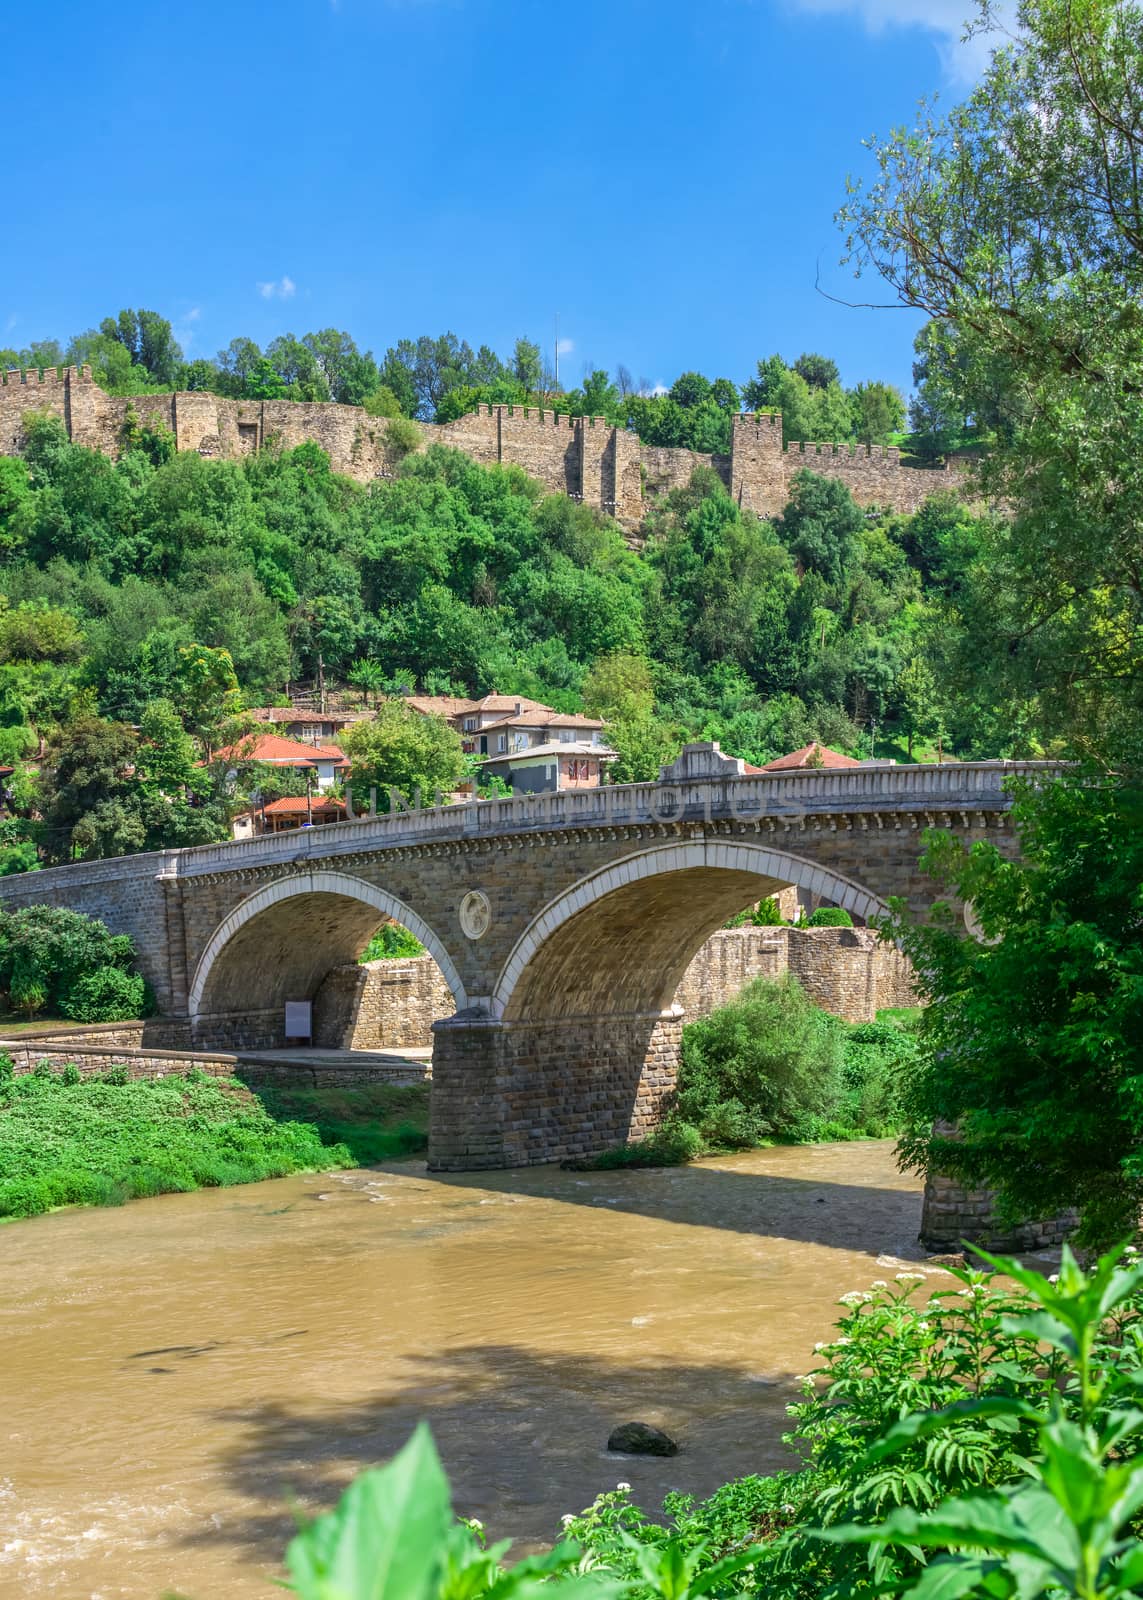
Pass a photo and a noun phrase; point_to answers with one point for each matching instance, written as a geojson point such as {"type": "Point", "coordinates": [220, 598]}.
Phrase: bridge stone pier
{"type": "Point", "coordinates": [562, 924]}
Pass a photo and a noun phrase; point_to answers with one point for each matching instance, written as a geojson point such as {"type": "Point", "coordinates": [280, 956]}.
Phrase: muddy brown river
{"type": "Point", "coordinates": [178, 1372]}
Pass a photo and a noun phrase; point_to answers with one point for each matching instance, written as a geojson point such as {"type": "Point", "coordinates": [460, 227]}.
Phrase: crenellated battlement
{"type": "Point", "coordinates": [45, 377]}
{"type": "Point", "coordinates": [849, 452]}
{"type": "Point", "coordinates": [761, 421]}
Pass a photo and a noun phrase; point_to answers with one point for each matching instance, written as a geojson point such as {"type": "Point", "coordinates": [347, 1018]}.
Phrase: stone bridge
{"type": "Point", "coordinates": [562, 924]}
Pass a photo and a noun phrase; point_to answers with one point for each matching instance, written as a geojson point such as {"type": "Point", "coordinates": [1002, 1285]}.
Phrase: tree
{"type": "Point", "coordinates": [36, 631]}
{"type": "Point", "coordinates": [527, 368]}
{"type": "Point", "coordinates": [349, 375]}
{"type": "Point", "coordinates": [368, 676]}
{"type": "Point", "coordinates": [761, 391]}
{"type": "Point", "coordinates": [690, 389]}
{"type": "Point", "coordinates": [235, 364]}
{"type": "Point", "coordinates": [297, 366]}
{"type": "Point", "coordinates": [207, 690]}
{"type": "Point", "coordinates": [818, 371]}
{"type": "Point", "coordinates": [149, 342]}
{"type": "Point", "coordinates": [878, 412]}
{"type": "Point", "coordinates": [403, 750]}
{"type": "Point", "coordinates": [85, 779]}
{"type": "Point", "coordinates": [820, 526]}
{"type": "Point", "coordinates": [1033, 1030]}
{"type": "Point", "coordinates": [619, 686]}
{"type": "Point", "coordinates": [1016, 223]}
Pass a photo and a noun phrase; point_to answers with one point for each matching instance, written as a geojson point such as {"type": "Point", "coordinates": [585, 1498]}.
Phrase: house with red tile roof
{"type": "Point", "coordinates": [810, 755]}
{"type": "Point", "coordinates": [533, 747]}
{"type": "Point", "coordinates": [293, 811]}
{"type": "Point", "coordinates": [326, 762]}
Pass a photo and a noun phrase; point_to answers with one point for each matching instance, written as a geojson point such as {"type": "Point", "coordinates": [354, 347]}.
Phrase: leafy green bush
{"type": "Point", "coordinates": [47, 952]}
{"type": "Point", "coordinates": [106, 995]}
{"type": "Point", "coordinates": [879, 1057]}
{"type": "Point", "coordinates": [830, 917]}
{"type": "Point", "coordinates": [672, 1145]}
{"type": "Point", "coordinates": [98, 1141]}
{"type": "Point", "coordinates": [391, 943]}
{"type": "Point", "coordinates": [767, 1064]}
{"type": "Point", "coordinates": [766, 914]}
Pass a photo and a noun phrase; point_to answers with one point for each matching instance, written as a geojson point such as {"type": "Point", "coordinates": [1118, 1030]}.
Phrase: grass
{"type": "Point", "coordinates": [100, 1141]}
{"type": "Point", "coordinates": [374, 1122]}
{"type": "Point", "coordinates": [13, 1023]}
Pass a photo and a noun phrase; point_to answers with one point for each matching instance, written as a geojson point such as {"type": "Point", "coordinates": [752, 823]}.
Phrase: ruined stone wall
{"type": "Point", "coordinates": [726, 964]}
{"type": "Point", "coordinates": [846, 971]}
{"type": "Point", "coordinates": [381, 1005]}
{"type": "Point", "coordinates": [873, 474]}
{"type": "Point", "coordinates": [585, 457]}
{"type": "Point", "coordinates": [146, 1063]}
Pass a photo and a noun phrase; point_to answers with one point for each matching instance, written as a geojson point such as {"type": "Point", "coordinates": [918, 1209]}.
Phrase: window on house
{"type": "Point", "coordinates": [502, 742]}
{"type": "Point", "coordinates": [470, 724]}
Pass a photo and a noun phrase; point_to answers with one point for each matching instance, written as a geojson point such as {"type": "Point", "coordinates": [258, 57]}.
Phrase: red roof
{"type": "Point", "coordinates": [811, 755]}
{"type": "Point", "coordinates": [279, 751]}
{"type": "Point", "coordinates": [296, 805]}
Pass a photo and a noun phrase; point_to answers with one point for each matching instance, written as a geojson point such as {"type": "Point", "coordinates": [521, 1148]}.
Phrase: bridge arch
{"type": "Point", "coordinates": [619, 941]}
{"type": "Point", "coordinates": [290, 933]}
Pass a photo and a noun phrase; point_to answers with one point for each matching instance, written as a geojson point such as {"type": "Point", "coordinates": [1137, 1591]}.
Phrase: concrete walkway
{"type": "Point", "coordinates": [397, 1066]}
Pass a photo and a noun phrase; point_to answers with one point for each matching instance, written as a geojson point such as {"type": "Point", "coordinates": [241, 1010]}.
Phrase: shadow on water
{"type": "Point", "coordinates": [825, 1210]}
{"type": "Point", "coordinates": [523, 1431]}
{"type": "Point", "coordinates": [519, 1432]}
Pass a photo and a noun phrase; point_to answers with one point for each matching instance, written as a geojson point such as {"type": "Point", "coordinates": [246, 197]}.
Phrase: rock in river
{"type": "Point", "coordinates": [641, 1439]}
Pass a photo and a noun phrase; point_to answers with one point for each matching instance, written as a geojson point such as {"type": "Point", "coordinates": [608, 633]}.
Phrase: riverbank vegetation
{"type": "Point", "coordinates": [771, 1067]}
{"type": "Point", "coordinates": [981, 1438]}
{"type": "Point", "coordinates": [67, 1140]}
{"type": "Point", "coordinates": [374, 1122]}
{"type": "Point", "coordinates": [69, 965]}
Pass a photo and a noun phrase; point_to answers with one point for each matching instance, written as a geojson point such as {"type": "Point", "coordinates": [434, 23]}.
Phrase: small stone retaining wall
{"type": "Point", "coordinates": [148, 1062]}
{"type": "Point", "coordinates": [383, 1005]}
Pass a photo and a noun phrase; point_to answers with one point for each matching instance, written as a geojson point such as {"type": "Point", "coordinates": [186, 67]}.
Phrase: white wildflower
{"type": "Point", "coordinates": [909, 1277]}
{"type": "Point", "coordinates": [1053, 1277]}
{"type": "Point", "coordinates": [475, 1524]}
{"type": "Point", "coordinates": [853, 1298]}
{"type": "Point", "coordinates": [843, 1340]}
{"type": "Point", "coordinates": [624, 1488]}
{"type": "Point", "coordinates": [567, 1519]}
{"type": "Point", "coordinates": [819, 1345]}
{"type": "Point", "coordinates": [879, 1283]}
{"type": "Point", "coordinates": [788, 1509]}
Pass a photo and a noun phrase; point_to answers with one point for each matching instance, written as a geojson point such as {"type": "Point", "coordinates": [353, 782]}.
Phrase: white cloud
{"type": "Point", "coordinates": [963, 60]}
{"type": "Point", "coordinates": [283, 288]}
{"type": "Point", "coordinates": [564, 347]}
{"type": "Point", "coordinates": [660, 388]}
{"type": "Point", "coordinates": [11, 323]}
{"type": "Point", "coordinates": [193, 314]}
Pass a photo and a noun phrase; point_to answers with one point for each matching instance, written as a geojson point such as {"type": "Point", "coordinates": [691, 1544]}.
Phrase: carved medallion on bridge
{"type": "Point", "coordinates": [475, 914]}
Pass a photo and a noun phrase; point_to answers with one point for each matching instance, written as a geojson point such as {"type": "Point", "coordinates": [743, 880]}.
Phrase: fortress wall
{"type": "Point", "coordinates": [609, 468]}
{"type": "Point", "coordinates": [35, 393]}
{"type": "Point", "coordinates": [873, 473]}
{"type": "Point", "coordinates": [666, 468]}
{"type": "Point", "coordinates": [758, 478]}
{"type": "Point", "coordinates": [477, 434]}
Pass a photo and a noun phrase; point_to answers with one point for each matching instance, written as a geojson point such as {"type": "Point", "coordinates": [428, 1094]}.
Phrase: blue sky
{"type": "Point", "coordinates": [661, 173]}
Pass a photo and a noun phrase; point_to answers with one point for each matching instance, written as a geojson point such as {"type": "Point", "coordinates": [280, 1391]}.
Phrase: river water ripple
{"type": "Point", "coordinates": [179, 1372]}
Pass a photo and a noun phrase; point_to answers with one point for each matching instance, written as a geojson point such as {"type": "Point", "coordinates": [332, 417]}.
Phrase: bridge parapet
{"type": "Point", "coordinates": [954, 786]}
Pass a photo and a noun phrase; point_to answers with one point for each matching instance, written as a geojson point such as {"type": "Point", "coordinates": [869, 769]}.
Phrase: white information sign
{"type": "Point", "coordinates": [299, 1019]}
